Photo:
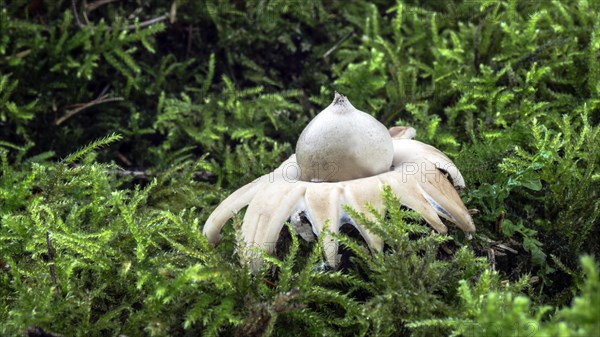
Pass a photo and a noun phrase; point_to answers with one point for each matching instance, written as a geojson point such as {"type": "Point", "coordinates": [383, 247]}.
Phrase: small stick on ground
{"type": "Point", "coordinates": [492, 259]}
{"type": "Point", "coordinates": [335, 46]}
{"type": "Point", "coordinates": [150, 22]}
{"type": "Point", "coordinates": [96, 4]}
{"type": "Point", "coordinates": [82, 106]}
{"type": "Point", "coordinates": [36, 331]}
{"type": "Point", "coordinates": [76, 13]}
{"type": "Point", "coordinates": [51, 260]}
{"type": "Point", "coordinates": [171, 16]}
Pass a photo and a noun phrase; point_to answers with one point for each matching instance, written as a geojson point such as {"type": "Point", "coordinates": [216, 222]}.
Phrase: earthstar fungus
{"type": "Point", "coordinates": [345, 156]}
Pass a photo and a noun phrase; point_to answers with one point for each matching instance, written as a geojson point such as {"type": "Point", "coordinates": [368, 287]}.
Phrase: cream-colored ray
{"type": "Point", "coordinates": [443, 197]}
{"type": "Point", "coordinates": [239, 199]}
{"type": "Point", "coordinates": [272, 186]}
{"type": "Point", "coordinates": [266, 217]}
{"type": "Point", "coordinates": [280, 215]}
{"type": "Point", "coordinates": [402, 132]}
{"type": "Point", "coordinates": [406, 188]}
{"type": "Point", "coordinates": [261, 207]}
{"type": "Point", "coordinates": [412, 151]}
{"type": "Point", "coordinates": [228, 208]}
{"type": "Point", "coordinates": [322, 204]}
{"type": "Point", "coordinates": [356, 194]}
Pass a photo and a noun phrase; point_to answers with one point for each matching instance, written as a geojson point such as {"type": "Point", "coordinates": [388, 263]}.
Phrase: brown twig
{"type": "Point", "coordinates": [446, 249]}
{"type": "Point", "coordinates": [145, 174]}
{"type": "Point", "coordinates": [36, 331]}
{"type": "Point", "coordinates": [134, 173]}
{"type": "Point", "coordinates": [149, 22]}
{"type": "Point", "coordinates": [51, 260]}
{"type": "Point", "coordinates": [171, 16]}
{"type": "Point", "coordinates": [335, 46]}
{"type": "Point", "coordinates": [76, 13]}
{"type": "Point", "coordinates": [20, 55]}
{"type": "Point", "coordinates": [191, 30]}
{"type": "Point", "coordinates": [124, 159]}
{"type": "Point", "coordinates": [97, 4]}
{"type": "Point", "coordinates": [492, 259]}
{"type": "Point", "coordinates": [104, 90]}
{"type": "Point", "coordinates": [82, 106]}
{"type": "Point", "coordinates": [173, 12]}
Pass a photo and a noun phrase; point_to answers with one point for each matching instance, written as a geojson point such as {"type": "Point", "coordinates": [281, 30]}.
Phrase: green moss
{"type": "Point", "coordinates": [120, 133]}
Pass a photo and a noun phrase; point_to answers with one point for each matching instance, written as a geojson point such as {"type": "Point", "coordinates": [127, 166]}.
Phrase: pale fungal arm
{"type": "Point", "coordinates": [227, 209]}
{"type": "Point", "coordinates": [322, 204]}
{"type": "Point", "coordinates": [442, 196]}
{"type": "Point", "coordinates": [357, 193]}
{"type": "Point", "coordinates": [412, 151]}
{"type": "Point", "coordinates": [266, 215]}
{"type": "Point", "coordinates": [408, 191]}
{"type": "Point", "coordinates": [239, 199]}
{"type": "Point", "coordinates": [402, 132]}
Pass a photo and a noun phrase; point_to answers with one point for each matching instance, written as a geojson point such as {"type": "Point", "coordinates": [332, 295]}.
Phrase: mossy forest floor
{"type": "Point", "coordinates": [124, 123]}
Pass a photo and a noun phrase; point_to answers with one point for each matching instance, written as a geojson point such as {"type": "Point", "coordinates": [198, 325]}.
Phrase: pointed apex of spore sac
{"type": "Point", "coordinates": [343, 143]}
{"type": "Point", "coordinates": [341, 104]}
{"type": "Point", "coordinates": [339, 99]}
